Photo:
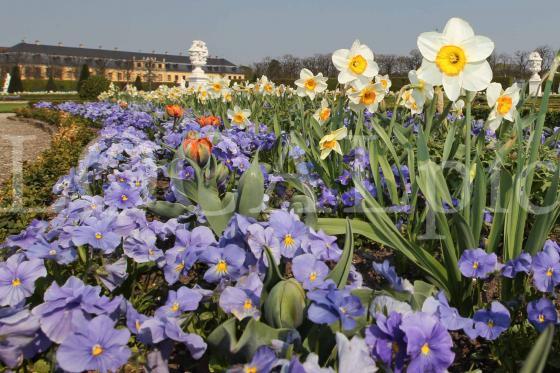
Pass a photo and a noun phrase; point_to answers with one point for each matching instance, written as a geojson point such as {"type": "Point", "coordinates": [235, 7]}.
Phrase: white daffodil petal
{"type": "Point", "coordinates": [429, 72]}
{"type": "Point", "coordinates": [429, 44]}
{"type": "Point", "coordinates": [478, 48]}
{"type": "Point", "coordinates": [340, 59]}
{"type": "Point", "coordinates": [457, 30]}
{"type": "Point", "coordinates": [493, 91]}
{"type": "Point", "coordinates": [477, 76]}
{"type": "Point", "coordinates": [452, 86]}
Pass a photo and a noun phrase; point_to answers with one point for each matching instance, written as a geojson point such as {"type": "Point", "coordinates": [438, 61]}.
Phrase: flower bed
{"type": "Point", "coordinates": [258, 228]}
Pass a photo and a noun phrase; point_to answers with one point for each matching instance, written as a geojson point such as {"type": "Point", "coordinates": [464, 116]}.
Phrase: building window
{"type": "Point", "coordinates": [168, 78]}
{"type": "Point", "coordinates": [119, 77]}
{"type": "Point", "coordinates": [160, 65]}
{"type": "Point", "coordinates": [184, 77]}
{"type": "Point", "coordinates": [176, 78]}
{"type": "Point", "coordinates": [139, 64]}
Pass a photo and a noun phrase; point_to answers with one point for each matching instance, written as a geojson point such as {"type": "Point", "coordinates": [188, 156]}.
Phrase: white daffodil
{"type": "Point", "coordinates": [323, 114]}
{"type": "Point", "coordinates": [408, 101]}
{"type": "Point", "coordinates": [264, 86]}
{"type": "Point", "coordinates": [217, 85]}
{"type": "Point", "coordinates": [421, 90]}
{"type": "Point", "coordinates": [355, 63]}
{"type": "Point", "coordinates": [455, 58]}
{"type": "Point", "coordinates": [503, 104]}
{"type": "Point", "coordinates": [239, 117]}
{"type": "Point", "coordinates": [227, 95]}
{"type": "Point", "coordinates": [330, 142]}
{"type": "Point", "coordinates": [309, 84]}
{"type": "Point", "coordinates": [366, 96]}
{"type": "Point", "coordinates": [384, 81]}
{"type": "Point", "coordinates": [457, 108]}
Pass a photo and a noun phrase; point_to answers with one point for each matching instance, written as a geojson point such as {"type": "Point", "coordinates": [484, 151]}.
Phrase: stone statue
{"type": "Point", "coordinates": [535, 66]}
{"type": "Point", "coordinates": [198, 54]}
{"type": "Point", "coordinates": [6, 83]}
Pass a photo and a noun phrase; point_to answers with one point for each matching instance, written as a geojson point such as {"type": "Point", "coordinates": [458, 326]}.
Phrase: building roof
{"type": "Point", "coordinates": [106, 54]}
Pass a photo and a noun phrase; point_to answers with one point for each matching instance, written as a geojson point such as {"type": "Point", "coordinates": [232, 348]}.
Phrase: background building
{"type": "Point", "coordinates": [38, 61]}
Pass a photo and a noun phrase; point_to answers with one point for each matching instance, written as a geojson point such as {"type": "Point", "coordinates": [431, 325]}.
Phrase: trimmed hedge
{"type": "Point", "coordinates": [40, 175]}
{"type": "Point", "coordinates": [39, 85]}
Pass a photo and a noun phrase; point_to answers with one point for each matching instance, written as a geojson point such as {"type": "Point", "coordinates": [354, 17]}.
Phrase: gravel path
{"type": "Point", "coordinates": [19, 141]}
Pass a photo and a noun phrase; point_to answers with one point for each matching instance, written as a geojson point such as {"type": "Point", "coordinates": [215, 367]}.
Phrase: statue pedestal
{"type": "Point", "coordinates": [535, 85]}
{"type": "Point", "coordinates": [197, 78]}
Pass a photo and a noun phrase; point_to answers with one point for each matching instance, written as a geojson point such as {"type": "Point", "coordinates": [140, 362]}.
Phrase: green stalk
{"type": "Point", "coordinates": [466, 197]}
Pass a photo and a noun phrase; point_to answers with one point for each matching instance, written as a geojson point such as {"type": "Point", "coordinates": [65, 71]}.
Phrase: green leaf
{"type": "Point", "coordinates": [422, 290]}
{"type": "Point", "coordinates": [536, 360]}
{"type": "Point", "coordinates": [273, 275]}
{"type": "Point", "coordinates": [251, 190]}
{"type": "Point", "coordinates": [166, 209]}
{"type": "Point", "coordinates": [340, 272]}
{"type": "Point", "coordinates": [217, 214]}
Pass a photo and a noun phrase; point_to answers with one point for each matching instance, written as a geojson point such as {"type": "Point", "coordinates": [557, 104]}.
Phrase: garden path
{"type": "Point", "coordinates": [19, 140]}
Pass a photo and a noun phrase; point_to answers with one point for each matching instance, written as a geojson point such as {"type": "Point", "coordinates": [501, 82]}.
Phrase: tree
{"type": "Point", "coordinates": [138, 83]}
{"type": "Point", "coordinates": [547, 55]}
{"type": "Point", "coordinates": [84, 75]}
{"type": "Point", "coordinates": [93, 87]}
{"type": "Point", "coordinates": [51, 86]}
{"type": "Point", "coordinates": [15, 83]}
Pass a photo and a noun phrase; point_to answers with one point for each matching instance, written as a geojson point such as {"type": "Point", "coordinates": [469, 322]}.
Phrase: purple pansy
{"type": "Point", "coordinates": [330, 304]}
{"type": "Point", "coordinates": [68, 305]}
{"type": "Point", "coordinates": [17, 278]}
{"type": "Point", "coordinates": [243, 300]}
{"type": "Point", "coordinates": [179, 301]}
{"type": "Point", "coordinates": [386, 340]}
{"type": "Point", "coordinates": [542, 313]}
{"type": "Point", "coordinates": [94, 345]}
{"type": "Point", "coordinates": [520, 264]}
{"type": "Point", "coordinates": [428, 343]}
{"type": "Point", "coordinates": [476, 263]}
{"type": "Point", "coordinates": [546, 269]}
{"type": "Point", "coordinates": [98, 233]}
{"type": "Point", "coordinates": [264, 361]}
{"type": "Point", "coordinates": [289, 230]}
{"type": "Point", "coordinates": [224, 262]}
{"type": "Point", "coordinates": [310, 271]}
{"type": "Point", "coordinates": [489, 324]}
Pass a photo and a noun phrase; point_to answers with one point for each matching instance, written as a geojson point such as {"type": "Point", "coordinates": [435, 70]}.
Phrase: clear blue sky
{"type": "Point", "coordinates": [247, 30]}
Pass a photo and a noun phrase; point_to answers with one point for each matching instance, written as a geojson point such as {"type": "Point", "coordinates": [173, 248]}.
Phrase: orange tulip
{"type": "Point", "coordinates": [174, 111]}
{"type": "Point", "coordinates": [210, 120]}
{"type": "Point", "coordinates": [197, 149]}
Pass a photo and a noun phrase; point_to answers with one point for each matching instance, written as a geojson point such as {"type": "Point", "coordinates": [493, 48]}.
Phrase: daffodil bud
{"type": "Point", "coordinates": [285, 305]}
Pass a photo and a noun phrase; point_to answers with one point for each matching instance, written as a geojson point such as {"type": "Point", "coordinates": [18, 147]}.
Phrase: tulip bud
{"type": "Point", "coordinates": [285, 305]}
{"type": "Point", "coordinates": [198, 150]}
{"type": "Point", "coordinates": [174, 111]}
{"type": "Point", "coordinates": [210, 120]}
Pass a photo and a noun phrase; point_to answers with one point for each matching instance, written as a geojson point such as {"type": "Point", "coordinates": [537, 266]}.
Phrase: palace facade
{"type": "Point", "coordinates": [37, 61]}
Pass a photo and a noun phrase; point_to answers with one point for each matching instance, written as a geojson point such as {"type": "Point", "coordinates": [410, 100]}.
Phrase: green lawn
{"type": "Point", "coordinates": [8, 107]}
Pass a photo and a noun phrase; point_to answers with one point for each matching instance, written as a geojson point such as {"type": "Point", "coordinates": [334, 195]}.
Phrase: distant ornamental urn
{"type": "Point", "coordinates": [198, 54]}
{"type": "Point", "coordinates": [535, 66]}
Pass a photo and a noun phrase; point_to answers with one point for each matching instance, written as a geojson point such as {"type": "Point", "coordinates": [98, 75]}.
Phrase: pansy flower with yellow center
{"type": "Point", "coordinates": [309, 84]}
{"type": "Point", "coordinates": [503, 104]}
{"type": "Point", "coordinates": [180, 301]}
{"type": "Point", "coordinates": [243, 300]}
{"type": "Point", "coordinates": [323, 114]}
{"type": "Point", "coordinates": [366, 96]}
{"type": "Point", "coordinates": [455, 58]}
{"type": "Point", "coordinates": [239, 117]}
{"type": "Point", "coordinates": [330, 142]}
{"type": "Point", "coordinates": [355, 63]}
{"type": "Point", "coordinates": [224, 262]}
